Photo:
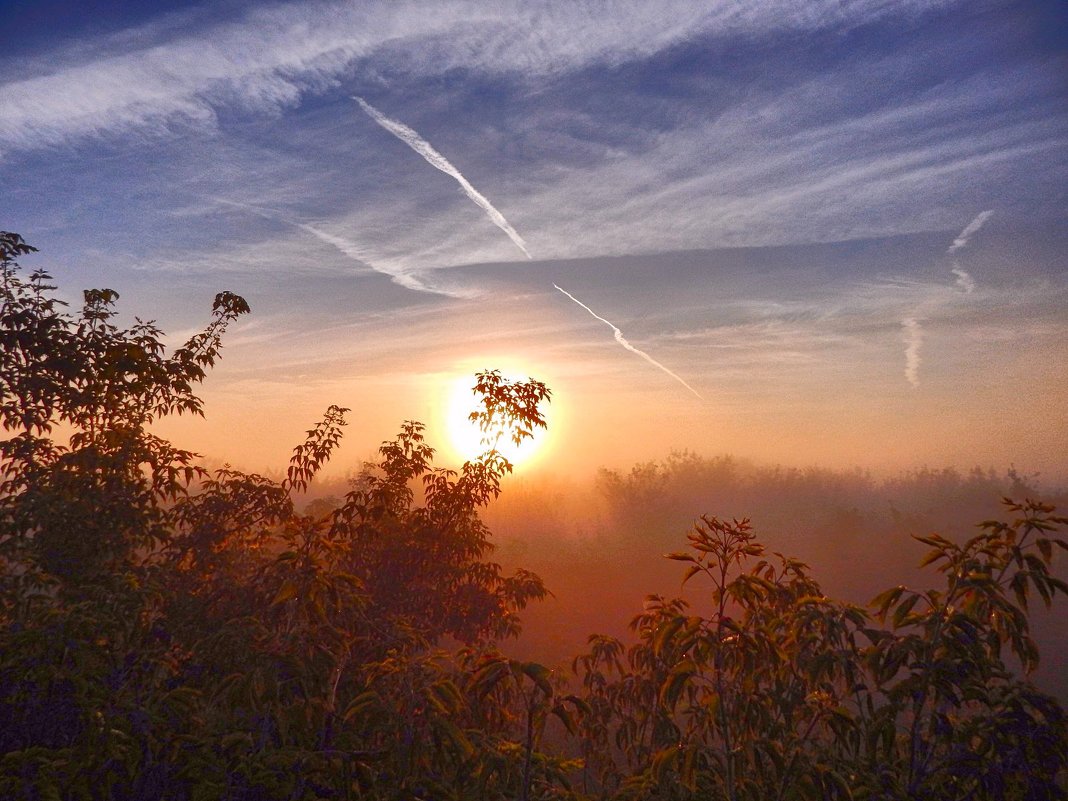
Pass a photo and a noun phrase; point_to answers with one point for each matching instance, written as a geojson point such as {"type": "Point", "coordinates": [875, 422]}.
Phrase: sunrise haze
{"type": "Point", "coordinates": [815, 233]}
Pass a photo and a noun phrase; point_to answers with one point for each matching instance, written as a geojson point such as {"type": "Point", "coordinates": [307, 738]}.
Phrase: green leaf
{"type": "Point", "coordinates": [446, 697]}
{"type": "Point", "coordinates": [840, 782]}
{"type": "Point", "coordinates": [680, 556]}
{"type": "Point", "coordinates": [456, 736]}
{"type": "Point", "coordinates": [286, 592]}
{"type": "Point", "coordinates": [565, 717]}
{"type": "Point", "coordinates": [688, 774]}
{"type": "Point", "coordinates": [663, 761]}
{"type": "Point", "coordinates": [487, 676]}
{"type": "Point", "coordinates": [884, 600]}
{"type": "Point", "coordinates": [361, 705]}
{"type": "Point", "coordinates": [540, 675]}
{"type": "Point", "coordinates": [903, 610]}
{"type": "Point", "coordinates": [676, 682]}
{"type": "Point", "coordinates": [933, 556]}
{"type": "Point", "coordinates": [691, 571]}
{"type": "Point", "coordinates": [665, 632]}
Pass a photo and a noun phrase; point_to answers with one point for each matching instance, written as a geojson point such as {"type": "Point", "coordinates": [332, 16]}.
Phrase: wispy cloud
{"type": "Point", "coordinates": [912, 332]}
{"type": "Point", "coordinates": [435, 159]}
{"type": "Point", "coordinates": [157, 77]}
{"type": "Point", "coordinates": [622, 341]}
{"type": "Point", "coordinates": [964, 279]}
{"type": "Point", "coordinates": [824, 155]}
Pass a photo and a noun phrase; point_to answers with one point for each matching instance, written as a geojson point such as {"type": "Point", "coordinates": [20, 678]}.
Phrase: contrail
{"type": "Point", "coordinates": [913, 335]}
{"type": "Point", "coordinates": [353, 251]}
{"type": "Point", "coordinates": [345, 246]}
{"type": "Point", "coordinates": [911, 330]}
{"type": "Point", "coordinates": [622, 341]}
{"type": "Point", "coordinates": [964, 280]}
{"type": "Point", "coordinates": [435, 159]}
{"type": "Point", "coordinates": [969, 231]}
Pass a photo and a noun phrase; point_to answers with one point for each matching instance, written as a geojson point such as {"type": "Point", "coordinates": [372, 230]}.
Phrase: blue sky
{"type": "Point", "coordinates": [763, 197]}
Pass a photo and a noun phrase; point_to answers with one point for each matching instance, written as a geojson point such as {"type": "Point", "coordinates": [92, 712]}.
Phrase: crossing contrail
{"type": "Point", "coordinates": [354, 252]}
{"type": "Point", "coordinates": [964, 279]}
{"type": "Point", "coordinates": [435, 159]}
{"type": "Point", "coordinates": [970, 230]}
{"type": "Point", "coordinates": [911, 330]}
{"type": "Point", "coordinates": [345, 246]}
{"type": "Point", "coordinates": [622, 341]}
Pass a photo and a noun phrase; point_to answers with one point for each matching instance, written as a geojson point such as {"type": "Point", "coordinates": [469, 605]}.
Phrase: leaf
{"type": "Point", "coordinates": [676, 682]}
{"type": "Point", "coordinates": [840, 782]}
{"type": "Point", "coordinates": [843, 714]}
{"type": "Point", "coordinates": [286, 592]}
{"type": "Point", "coordinates": [932, 539]}
{"type": "Point", "coordinates": [665, 632]}
{"type": "Point", "coordinates": [540, 675]}
{"type": "Point", "coordinates": [487, 676]}
{"type": "Point", "coordinates": [361, 705]}
{"type": "Point", "coordinates": [565, 717]}
{"type": "Point", "coordinates": [691, 571]}
{"type": "Point", "coordinates": [688, 774]}
{"type": "Point", "coordinates": [456, 736]}
{"type": "Point", "coordinates": [884, 600]}
{"type": "Point", "coordinates": [663, 761]}
{"type": "Point", "coordinates": [933, 556]}
{"type": "Point", "coordinates": [234, 740]}
{"type": "Point", "coordinates": [446, 697]}
{"type": "Point", "coordinates": [579, 704]}
{"type": "Point", "coordinates": [903, 610]}
{"type": "Point", "coordinates": [680, 556]}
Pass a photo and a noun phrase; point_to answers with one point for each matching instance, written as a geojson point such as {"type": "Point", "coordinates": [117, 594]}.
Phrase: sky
{"type": "Point", "coordinates": [827, 233]}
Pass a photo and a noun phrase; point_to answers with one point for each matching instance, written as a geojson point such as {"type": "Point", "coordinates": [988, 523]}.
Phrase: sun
{"type": "Point", "coordinates": [465, 438]}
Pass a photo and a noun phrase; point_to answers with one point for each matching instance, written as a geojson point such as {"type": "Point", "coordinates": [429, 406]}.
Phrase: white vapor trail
{"type": "Point", "coordinates": [964, 280]}
{"type": "Point", "coordinates": [435, 159]}
{"type": "Point", "coordinates": [969, 231]}
{"type": "Point", "coordinates": [913, 335]}
{"type": "Point", "coordinates": [622, 341]}
{"type": "Point", "coordinates": [345, 246]}
{"type": "Point", "coordinates": [911, 330]}
{"type": "Point", "coordinates": [353, 251]}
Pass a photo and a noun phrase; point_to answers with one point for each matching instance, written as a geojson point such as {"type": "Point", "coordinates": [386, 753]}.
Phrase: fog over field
{"type": "Point", "coordinates": [600, 542]}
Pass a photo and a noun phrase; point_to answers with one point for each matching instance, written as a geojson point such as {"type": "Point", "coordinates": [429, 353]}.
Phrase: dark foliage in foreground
{"type": "Point", "coordinates": [169, 633]}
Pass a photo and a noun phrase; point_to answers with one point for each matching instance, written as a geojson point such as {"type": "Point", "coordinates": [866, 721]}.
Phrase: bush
{"type": "Point", "coordinates": [169, 633]}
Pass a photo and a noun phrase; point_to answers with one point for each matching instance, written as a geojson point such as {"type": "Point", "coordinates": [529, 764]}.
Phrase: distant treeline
{"type": "Point", "coordinates": [600, 542]}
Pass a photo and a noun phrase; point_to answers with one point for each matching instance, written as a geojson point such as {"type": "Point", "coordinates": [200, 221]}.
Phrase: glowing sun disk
{"type": "Point", "coordinates": [465, 437]}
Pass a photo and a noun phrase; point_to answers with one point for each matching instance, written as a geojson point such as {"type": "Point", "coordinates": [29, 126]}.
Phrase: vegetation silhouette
{"type": "Point", "coordinates": [172, 633]}
{"type": "Point", "coordinates": [601, 540]}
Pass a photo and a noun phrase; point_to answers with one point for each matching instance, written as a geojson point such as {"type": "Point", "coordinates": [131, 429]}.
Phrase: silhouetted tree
{"type": "Point", "coordinates": [167, 632]}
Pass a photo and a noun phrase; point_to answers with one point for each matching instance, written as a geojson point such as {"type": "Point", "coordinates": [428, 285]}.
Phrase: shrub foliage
{"type": "Point", "coordinates": [167, 632]}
